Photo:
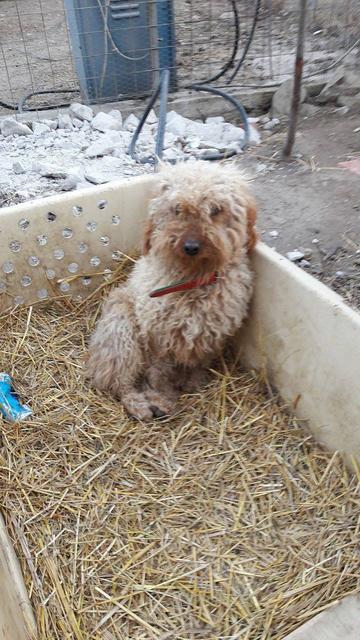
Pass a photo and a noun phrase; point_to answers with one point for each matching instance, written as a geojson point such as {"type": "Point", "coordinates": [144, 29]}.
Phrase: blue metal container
{"type": "Point", "coordinates": [120, 46]}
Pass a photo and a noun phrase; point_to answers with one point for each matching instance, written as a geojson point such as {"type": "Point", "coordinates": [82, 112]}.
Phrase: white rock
{"type": "Point", "coordinates": [234, 146]}
{"type": "Point", "coordinates": [69, 183]}
{"type": "Point", "coordinates": [104, 146]}
{"type": "Point", "coordinates": [264, 119]}
{"type": "Point", "coordinates": [131, 122]}
{"type": "Point", "coordinates": [146, 137]}
{"type": "Point", "coordinates": [152, 117]}
{"type": "Point", "coordinates": [21, 143]}
{"type": "Point", "coordinates": [214, 144]}
{"type": "Point", "coordinates": [295, 256]}
{"type": "Point", "coordinates": [176, 124]}
{"type": "Point", "coordinates": [10, 127]}
{"type": "Point", "coordinates": [273, 234]}
{"type": "Point", "coordinates": [52, 124]}
{"type": "Point", "coordinates": [120, 152]}
{"type": "Point", "coordinates": [81, 111]}
{"type": "Point", "coordinates": [215, 119]}
{"type": "Point", "coordinates": [25, 195]}
{"type": "Point", "coordinates": [169, 140]}
{"type": "Point", "coordinates": [230, 133]}
{"type": "Point", "coordinates": [105, 122]}
{"type": "Point", "coordinates": [83, 145]}
{"type": "Point", "coordinates": [39, 128]}
{"type": "Point", "coordinates": [282, 98]}
{"type": "Point", "coordinates": [18, 168]}
{"type": "Point", "coordinates": [75, 177]}
{"type": "Point", "coordinates": [170, 154]}
{"type": "Point", "coordinates": [192, 143]}
{"type": "Point", "coordinates": [254, 135]}
{"type": "Point", "coordinates": [47, 144]}
{"type": "Point", "coordinates": [205, 153]}
{"type": "Point", "coordinates": [64, 121]}
{"type": "Point", "coordinates": [315, 241]}
{"type": "Point", "coordinates": [270, 124]}
{"type": "Point", "coordinates": [63, 144]}
{"type": "Point", "coordinates": [48, 170]}
{"type": "Point", "coordinates": [184, 127]}
{"type": "Point", "coordinates": [65, 133]}
{"type": "Point", "coordinates": [115, 113]}
{"type": "Point", "coordinates": [77, 123]}
{"type": "Point", "coordinates": [95, 177]}
{"type": "Point", "coordinates": [210, 131]}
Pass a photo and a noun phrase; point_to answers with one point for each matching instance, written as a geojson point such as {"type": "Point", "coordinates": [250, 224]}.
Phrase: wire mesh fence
{"type": "Point", "coordinates": [108, 50]}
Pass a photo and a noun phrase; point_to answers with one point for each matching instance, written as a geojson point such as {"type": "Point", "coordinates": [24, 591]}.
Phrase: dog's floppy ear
{"type": "Point", "coordinates": [148, 230]}
{"type": "Point", "coordinates": [250, 227]}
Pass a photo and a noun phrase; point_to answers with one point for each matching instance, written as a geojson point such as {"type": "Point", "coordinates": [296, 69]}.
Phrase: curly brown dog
{"type": "Point", "coordinates": [187, 293]}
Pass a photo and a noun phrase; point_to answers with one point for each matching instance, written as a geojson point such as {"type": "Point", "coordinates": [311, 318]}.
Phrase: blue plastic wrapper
{"type": "Point", "coordinates": [10, 406]}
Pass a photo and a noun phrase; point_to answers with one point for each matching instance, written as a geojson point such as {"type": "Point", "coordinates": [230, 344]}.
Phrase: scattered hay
{"type": "Point", "coordinates": [226, 521]}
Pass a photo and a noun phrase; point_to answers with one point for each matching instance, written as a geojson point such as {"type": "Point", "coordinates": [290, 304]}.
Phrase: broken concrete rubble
{"type": "Point", "coordinates": [90, 149]}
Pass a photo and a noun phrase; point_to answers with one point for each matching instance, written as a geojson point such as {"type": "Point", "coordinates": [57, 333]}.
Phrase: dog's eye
{"type": "Point", "coordinates": [177, 209]}
{"type": "Point", "coordinates": [214, 210]}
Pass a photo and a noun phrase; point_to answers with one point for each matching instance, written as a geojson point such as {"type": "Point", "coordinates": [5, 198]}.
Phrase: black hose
{"type": "Point", "coordinates": [6, 105]}
{"type": "Point", "coordinates": [21, 104]}
{"type": "Point", "coordinates": [230, 62]}
{"type": "Point", "coordinates": [162, 91]}
{"type": "Point", "coordinates": [248, 44]}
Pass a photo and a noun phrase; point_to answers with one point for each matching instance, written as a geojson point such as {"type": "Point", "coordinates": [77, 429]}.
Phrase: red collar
{"type": "Point", "coordinates": [184, 285]}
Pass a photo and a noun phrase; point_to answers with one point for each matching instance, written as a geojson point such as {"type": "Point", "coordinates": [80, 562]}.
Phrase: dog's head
{"type": "Point", "coordinates": [201, 218]}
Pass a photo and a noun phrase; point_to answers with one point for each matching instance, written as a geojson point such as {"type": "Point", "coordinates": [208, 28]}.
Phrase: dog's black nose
{"type": "Point", "coordinates": [191, 247]}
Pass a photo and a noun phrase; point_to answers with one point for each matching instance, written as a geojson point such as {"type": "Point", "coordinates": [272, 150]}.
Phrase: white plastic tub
{"type": "Point", "coordinates": [301, 332]}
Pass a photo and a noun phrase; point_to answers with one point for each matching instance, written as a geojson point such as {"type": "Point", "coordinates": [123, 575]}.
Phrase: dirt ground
{"type": "Point", "coordinates": [313, 199]}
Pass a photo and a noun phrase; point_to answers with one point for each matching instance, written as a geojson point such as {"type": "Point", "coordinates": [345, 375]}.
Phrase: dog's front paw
{"type": "Point", "coordinates": [160, 406]}
{"type": "Point", "coordinates": [146, 406]}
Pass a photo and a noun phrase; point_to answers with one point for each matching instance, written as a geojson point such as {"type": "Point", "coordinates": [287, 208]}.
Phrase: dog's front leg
{"type": "Point", "coordinates": [160, 389]}
{"type": "Point", "coordinates": [115, 360]}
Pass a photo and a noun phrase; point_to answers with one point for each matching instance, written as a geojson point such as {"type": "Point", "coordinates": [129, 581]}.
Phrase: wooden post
{"type": "Point", "coordinates": [299, 63]}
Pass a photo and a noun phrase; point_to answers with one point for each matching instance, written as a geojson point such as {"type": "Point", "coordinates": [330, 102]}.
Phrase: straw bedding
{"type": "Point", "coordinates": [226, 521]}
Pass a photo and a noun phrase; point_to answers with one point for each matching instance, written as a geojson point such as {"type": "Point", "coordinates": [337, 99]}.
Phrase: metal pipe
{"type": "Point", "coordinates": [299, 64]}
